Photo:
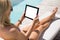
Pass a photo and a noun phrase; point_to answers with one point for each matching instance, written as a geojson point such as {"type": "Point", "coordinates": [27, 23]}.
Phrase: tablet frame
{"type": "Point", "coordinates": [32, 7]}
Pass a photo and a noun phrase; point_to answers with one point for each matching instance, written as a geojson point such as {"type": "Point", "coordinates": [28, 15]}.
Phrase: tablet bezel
{"type": "Point", "coordinates": [32, 7]}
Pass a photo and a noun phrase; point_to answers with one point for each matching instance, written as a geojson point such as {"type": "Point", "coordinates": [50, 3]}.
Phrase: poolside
{"type": "Point", "coordinates": [19, 9]}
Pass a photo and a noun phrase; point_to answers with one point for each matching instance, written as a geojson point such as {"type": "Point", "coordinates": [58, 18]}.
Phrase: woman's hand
{"type": "Point", "coordinates": [31, 27]}
{"type": "Point", "coordinates": [36, 20]}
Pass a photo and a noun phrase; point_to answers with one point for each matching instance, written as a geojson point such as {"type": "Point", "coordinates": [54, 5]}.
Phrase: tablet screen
{"type": "Point", "coordinates": [31, 11]}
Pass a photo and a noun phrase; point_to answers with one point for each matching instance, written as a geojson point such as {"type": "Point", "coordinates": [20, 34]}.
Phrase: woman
{"type": "Point", "coordinates": [10, 31]}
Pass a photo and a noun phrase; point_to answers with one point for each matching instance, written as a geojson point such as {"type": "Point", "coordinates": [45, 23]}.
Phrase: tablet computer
{"type": "Point", "coordinates": [31, 11]}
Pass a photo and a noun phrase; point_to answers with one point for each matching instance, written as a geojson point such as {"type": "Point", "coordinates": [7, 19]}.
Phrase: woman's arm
{"type": "Point", "coordinates": [27, 34]}
{"type": "Point", "coordinates": [20, 20]}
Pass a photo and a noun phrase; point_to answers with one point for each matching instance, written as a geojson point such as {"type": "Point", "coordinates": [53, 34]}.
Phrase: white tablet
{"type": "Point", "coordinates": [31, 12]}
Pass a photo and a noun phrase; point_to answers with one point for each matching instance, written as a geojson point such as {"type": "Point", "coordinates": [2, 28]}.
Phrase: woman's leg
{"type": "Point", "coordinates": [43, 20]}
{"type": "Point", "coordinates": [49, 17]}
{"type": "Point", "coordinates": [38, 31]}
{"type": "Point", "coordinates": [43, 25]}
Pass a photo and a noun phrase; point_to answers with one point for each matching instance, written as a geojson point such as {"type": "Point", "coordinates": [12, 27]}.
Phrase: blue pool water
{"type": "Point", "coordinates": [19, 9]}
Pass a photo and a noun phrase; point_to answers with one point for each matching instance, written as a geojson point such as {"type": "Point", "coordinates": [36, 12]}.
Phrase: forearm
{"type": "Point", "coordinates": [19, 21]}
{"type": "Point", "coordinates": [30, 30]}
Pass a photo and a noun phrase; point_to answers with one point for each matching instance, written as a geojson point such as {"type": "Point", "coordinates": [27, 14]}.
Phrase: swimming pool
{"type": "Point", "coordinates": [19, 9]}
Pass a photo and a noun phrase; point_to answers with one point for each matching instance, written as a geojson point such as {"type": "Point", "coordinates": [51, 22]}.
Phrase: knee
{"type": "Point", "coordinates": [31, 39]}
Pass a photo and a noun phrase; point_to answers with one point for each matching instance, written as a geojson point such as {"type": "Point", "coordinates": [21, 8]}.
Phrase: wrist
{"type": "Point", "coordinates": [19, 21]}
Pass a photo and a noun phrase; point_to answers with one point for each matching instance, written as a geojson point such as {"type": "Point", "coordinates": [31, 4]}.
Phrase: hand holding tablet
{"type": "Point", "coordinates": [31, 12]}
